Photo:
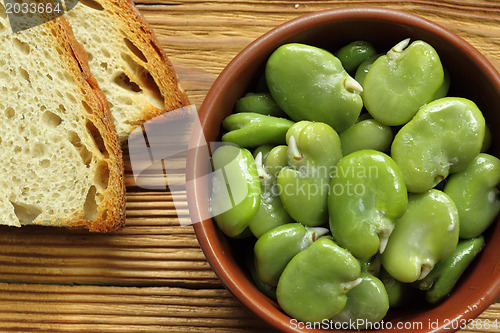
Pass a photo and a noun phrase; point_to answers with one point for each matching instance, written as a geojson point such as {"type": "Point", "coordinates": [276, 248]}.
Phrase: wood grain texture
{"type": "Point", "coordinates": [59, 308]}
{"type": "Point", "coordinates": [152, 276]}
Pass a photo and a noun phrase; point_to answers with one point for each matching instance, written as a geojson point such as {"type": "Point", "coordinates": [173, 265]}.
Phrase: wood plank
{"type": "Point", "coordinates": [142, 254]}
{"type": "Point", "coordinates": [119, 309]}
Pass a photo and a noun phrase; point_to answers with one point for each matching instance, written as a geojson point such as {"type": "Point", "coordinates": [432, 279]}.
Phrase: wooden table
{"type": "Point", "coordinates": [152, 276]}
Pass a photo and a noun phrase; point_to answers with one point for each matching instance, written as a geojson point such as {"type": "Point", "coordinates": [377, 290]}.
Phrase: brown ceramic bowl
{"type": "Point", "coordinates": [472, 76]}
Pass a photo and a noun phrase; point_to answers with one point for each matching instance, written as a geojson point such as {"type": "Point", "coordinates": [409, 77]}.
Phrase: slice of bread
{"type": "Point", "coordinates": [60, 158]}
{"type": "Point", "coordinates": [128, 62]}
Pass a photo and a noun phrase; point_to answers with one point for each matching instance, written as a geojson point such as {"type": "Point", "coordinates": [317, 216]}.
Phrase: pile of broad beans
{"type": "Point", "coordinates": [361, 183]}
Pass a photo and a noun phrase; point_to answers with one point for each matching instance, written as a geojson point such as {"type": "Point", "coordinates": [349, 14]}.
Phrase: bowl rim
{"type": "Point", "coordinates": [206, 232]}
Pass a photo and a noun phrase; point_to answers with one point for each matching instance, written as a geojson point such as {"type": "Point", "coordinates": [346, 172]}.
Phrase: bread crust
{"type": "Point", "coordinates": [111, 212]}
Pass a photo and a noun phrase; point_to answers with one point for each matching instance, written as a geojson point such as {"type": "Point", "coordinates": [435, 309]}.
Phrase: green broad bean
{"type": "Point", "coordinates": [277, 247]}
{"type": "Point", "coordinates": [276, 160]}
{"type": "Point", "coordinates": [444, 276]}
{"type": "Point", "coordinates": [401, 82]}
{"type": "Point", "coordinates": [353, 54]}
{"type": "Point", "coordinates": [399, 293]}
{"type": "Point", "coordinates": [269, 291]}
{"type": "Point", "coordinates": [313, 151]}
{"type": "Point", "coordinates": [314, 284]}
{"type": "Point", "coordinates": [442, 138]}
{"type": "Point", "coordinates": [367, 196]}
{"type": "Point", "coordinates": [424, 235]}
{"type": "Point", "coordinates": [309, 83]}
{"type": "Point", "coordinates": [261, 103]}
{"type": "Point", "coordinates": [364, 67]}
{"type": "Point", "coordinates": [366, 134]}
{"type": "Point", "coordinates": [367, 303]}
{"type": "Point", "coordinates": [248, 129]}
{"type": "Point", "coordinates": [475, 193]}
{"type": "Point", "coordinates": [271, 211]}
{"type": "Point", "coordinates": [264, 150]}
{"type": "Point", "coordinates": [235, 189]}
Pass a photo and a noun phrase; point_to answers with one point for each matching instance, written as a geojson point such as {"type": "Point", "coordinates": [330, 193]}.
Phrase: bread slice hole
{"type": "Point", "coordinates": [87, 107]}
{"type": "Point", "coordinates": [135, 50]}
{"type": "Point", "coordinates": [155, 97]}
{"type": "Point", "coordinates": [26, 213]}
{"type": "Point", "coordinates": [10, 112]}
{"type": "Point", "coordinates": [62, 108]}
{"type": "Point", "coordinates": [82, 150]}
{"type": "Point", "coordinates": [90, 206]}
{"type": "Point", "coordinates": [22, 46]}
{"type": "Point", "coordinates": [124, 81]}
{"type": "Point", "coordinates": [24, 74]}
{"type": "Point", "coordinates": [97, 137]}
{"type": "Point", "coordinates": [50, 119]}
{"type": "Point", "coordinates": [38, 150]}
{"type": "Point", "coordinates": [74, 138]}
{"type": "Point", "coordinates": [134, 67]}
{"type": "Point", "coordinates": [102, 175]}
{"type": "Point", "coordinates": [45, 163]}
{"type": "Point", "coordinates": [92, 4]}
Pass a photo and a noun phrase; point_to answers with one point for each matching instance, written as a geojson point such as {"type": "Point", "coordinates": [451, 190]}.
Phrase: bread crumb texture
{"type": "Point", "coordinates": [59, 164]}
{"type": "Point", "coordinates": [131, 68]}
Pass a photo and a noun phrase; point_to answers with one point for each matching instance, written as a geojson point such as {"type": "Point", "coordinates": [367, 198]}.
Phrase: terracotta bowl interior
{"type": "Point", "coordinates": [472, 76]}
